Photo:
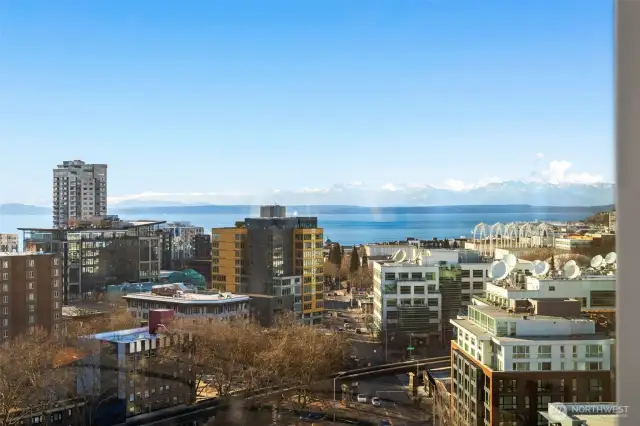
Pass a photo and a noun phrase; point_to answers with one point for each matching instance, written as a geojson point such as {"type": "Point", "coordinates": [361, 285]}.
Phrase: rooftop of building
{"type": "Point", "coordinates": [23, 253]}
{"type": "Point", "coordinates": [124, 336]}
{"type": "Point", "coordinates": [189, 298]}
{"type": "Point", "coordinates": [108, 224]}
{"type": "Point", "coordinates": [524, 340]}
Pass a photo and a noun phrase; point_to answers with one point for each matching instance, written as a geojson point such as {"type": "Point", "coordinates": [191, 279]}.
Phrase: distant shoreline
{"type": "Point", "coordinates": [309, 210]}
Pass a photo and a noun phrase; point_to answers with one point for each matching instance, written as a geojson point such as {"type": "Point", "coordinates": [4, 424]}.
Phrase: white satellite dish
{"type": "Point", "coordinates": [510, 260]}
{"type": "Point", "coordinates": [540, 268]}
{"type": "Point", "coordinates": [535, 262]}
{"type": "Point", "coordinates": [570, 263]}
{"type": "Point", "coordinates": [499, 270]}
{"type": "Point", "coordinates": [570, 271]}
{"type": "Point", "coordinates": [400, 256]}
{"type": "Point", "coordinates": [596, 262]}
{"type": "Point", "coordinates": [611, 258]}
{"type": "Point", "coordinates": [490, 272]}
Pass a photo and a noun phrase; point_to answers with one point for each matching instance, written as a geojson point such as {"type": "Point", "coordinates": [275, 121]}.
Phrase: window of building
{"type": "Point", "coordinates": [389, 276]}
{"type": "Point", "coordinates": [416, 276]}
{"type": "Point", "coordinates": [544, 366]}
{"type": "Point", "coordinates": [603, 298]}
{"type": "Point", "coordinates": [594, 351]}
{"type": "Point", "coordinates": [520, 352]}
{"type": "Point", "coordinates": [419, 289]}
{"type": "Point", "coordinates": [5, 287]}
{"type": "Point", "coordinates": [405, 289]}
{"type": "Point", "coordinates": [544, 401]}
{"type": "Point", "coordinates": [5, 276]}
{"type": "Point", "coordinates": [430, 276]}
{"type": "Point", "coordinates": [392, 302]}
{"type": "Point", "coordinates": [595, 385]}
{"type": "Point", "coordinates": [520, 366]}
{"type": "Point", "coordinates": [544, 351]}
{"type": "Point", "coordinates": [593, 366]}
{"type": "Point", "coordinates": [392, 315]}
{"type": "Point", "coordinates": [465, 273]}
{"type": "Point", "coordinates": [508, 402]}
{"type": "Point", "coordinates": [478, 273]}
{"type": "Point", "coordinates": [307, 306]}
{"type": "Point", "coordinates": [31, 263]}
{"type": "Point", "coordinates": [30, 285]}
{"type": "Point", "coordinates": [432, 302]}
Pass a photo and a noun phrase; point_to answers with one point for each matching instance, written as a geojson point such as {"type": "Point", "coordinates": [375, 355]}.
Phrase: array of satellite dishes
{"type": "Point", "coordinates": [500, 269]}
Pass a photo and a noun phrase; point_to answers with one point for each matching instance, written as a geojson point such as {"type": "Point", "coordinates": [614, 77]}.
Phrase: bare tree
{"type": "Point", "coordinates": [29, 377]}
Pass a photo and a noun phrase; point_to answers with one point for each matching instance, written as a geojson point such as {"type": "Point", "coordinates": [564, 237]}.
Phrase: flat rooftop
{"type": "Point", "coordinates": [479, 332]}
{"type": "Point", "coordinates": [107, 227]}
{"type": "Point", "coordinates": [124, 336]}
{"type": "Point", "coordinates": [190, 298]}
{"type": "Point", "coordinates": [498, 313]}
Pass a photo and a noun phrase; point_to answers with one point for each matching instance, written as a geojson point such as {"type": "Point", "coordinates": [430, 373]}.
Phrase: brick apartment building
{"type": "Point", "coordinates": [30, 291]}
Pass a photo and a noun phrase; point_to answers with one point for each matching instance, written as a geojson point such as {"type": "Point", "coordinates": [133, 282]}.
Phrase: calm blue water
{"type": "Point", "coordinates": [349, 228]}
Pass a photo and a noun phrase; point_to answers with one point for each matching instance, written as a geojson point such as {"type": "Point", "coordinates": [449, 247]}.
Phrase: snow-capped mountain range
{"type": "Point", "coordinates": [496, 193]}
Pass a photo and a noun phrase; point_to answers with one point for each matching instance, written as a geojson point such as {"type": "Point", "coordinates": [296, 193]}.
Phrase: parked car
{"type": "Point", "coordinates": [385, 422]}
{"type": "Point", "coordinates": [311, 417]}
{"type": "Point", "coordinates": [362, 398]}
{"type": "Point", "coordinates": [376, 402]}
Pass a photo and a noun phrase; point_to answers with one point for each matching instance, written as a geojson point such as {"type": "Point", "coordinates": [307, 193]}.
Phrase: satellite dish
{"type": "Point", "coordinates": [570, 271]}
{"type": "Point", "coordinates": [400, 256]}
{"type": "Point", "coordinates": [570, 263]}
{"type": "Point", "coordinates": [596, 262]}
{"type": "Point", "coordinates": [490, 272]}
{"type": "Point", "coordinates": [499, 270]}
{"type": "Point", "coordinates": [535, 262]}
{"type": "Point", "coordinates": [611, 258]}
{"type": "Point", "coordinates": [510, 260]}
{"type": "Point", "coordinates": [540, 268]}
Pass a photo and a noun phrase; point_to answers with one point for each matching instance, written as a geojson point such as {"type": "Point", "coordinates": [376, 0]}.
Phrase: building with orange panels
{"type": "Point", "coordinates": [274, 258]}
{"type": "Point", "coordinates": [506, 366]}
{"type": "Point", "coordinates": [31, 293]}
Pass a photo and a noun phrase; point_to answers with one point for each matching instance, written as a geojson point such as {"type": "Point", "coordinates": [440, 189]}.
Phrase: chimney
{"type": "Point", "coordinates": [159, 318]}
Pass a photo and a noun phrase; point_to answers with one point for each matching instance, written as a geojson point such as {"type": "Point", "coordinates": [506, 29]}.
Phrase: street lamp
{"type": "Point", "coordinates": [334, 394]}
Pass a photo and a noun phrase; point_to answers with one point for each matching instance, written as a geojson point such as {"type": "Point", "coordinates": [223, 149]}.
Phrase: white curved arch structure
{"type": "Point", "coordinates": [513, 235]}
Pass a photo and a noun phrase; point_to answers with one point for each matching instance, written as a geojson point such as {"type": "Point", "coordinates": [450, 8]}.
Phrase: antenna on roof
{"type": "Point", "coordinates": [571, 271]}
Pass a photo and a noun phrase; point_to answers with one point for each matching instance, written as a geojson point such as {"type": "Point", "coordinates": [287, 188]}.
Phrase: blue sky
{"type": "Point", "coordinates": [250, 96]}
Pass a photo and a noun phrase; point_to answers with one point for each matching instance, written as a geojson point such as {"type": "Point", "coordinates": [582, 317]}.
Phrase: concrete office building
{"type": "Point", "coordinates": [183, 303]}
{"type": "Point", "coordinates": [79, 192]}
{"type": "Point", "coordinates": [255, 256]}
{"type": "Point", "coordinates": [100, 251]}
{"type": "Point", "coordinates": [31, 292]}
{"type": "Point", "coordinates": [422, 292]}
{"type": "Point", "coordinates": [507, 366]}
{"type": "Point", "coordinates": [8, 243]}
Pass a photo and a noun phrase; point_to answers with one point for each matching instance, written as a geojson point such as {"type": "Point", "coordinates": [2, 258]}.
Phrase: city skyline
{"type": "Point", "coordinates": [446, 94]}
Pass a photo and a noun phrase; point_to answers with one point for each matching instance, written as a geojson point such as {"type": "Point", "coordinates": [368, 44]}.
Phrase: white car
{"type": "Point", "coordinates": [376, 402]}
{"type": "Point", "coordinates": [362, 398]}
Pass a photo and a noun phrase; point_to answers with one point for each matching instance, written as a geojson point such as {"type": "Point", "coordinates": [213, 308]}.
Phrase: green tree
{"type": "Point", "coordinates": [335, 255]}
{"type": "Point", "coordinates": [354, 261]}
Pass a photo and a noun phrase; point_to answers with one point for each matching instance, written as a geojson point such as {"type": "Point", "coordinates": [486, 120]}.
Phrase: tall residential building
{"type": "Point", "coordinates": [277, 257]}
{"type": "Point", "coordinates": [99, 252]}
{"type": "Point", "coordinates": [506, 366]}
{"type": "Point", "coordinates": [8, 243]}
{"type": "Point", "coordinates": [31, 292]}
{"type": "Point", "coordinates": [79, 192]}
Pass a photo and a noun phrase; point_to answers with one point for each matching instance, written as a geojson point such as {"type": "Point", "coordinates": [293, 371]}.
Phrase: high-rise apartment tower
{"type": "Point", "coordinates": [79, 192]}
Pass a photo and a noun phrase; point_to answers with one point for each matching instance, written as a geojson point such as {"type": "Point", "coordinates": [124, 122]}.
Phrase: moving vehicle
{"type": "Point", "coordinates": [362, 398]}
{"type": "Point", "coordinates": [376, 402]}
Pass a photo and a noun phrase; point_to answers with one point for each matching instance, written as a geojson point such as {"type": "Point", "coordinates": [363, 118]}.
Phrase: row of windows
{"type": "Point", "coordinates": [30, 263]}
{"type": "Point", "coordinates": [544, 351]}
